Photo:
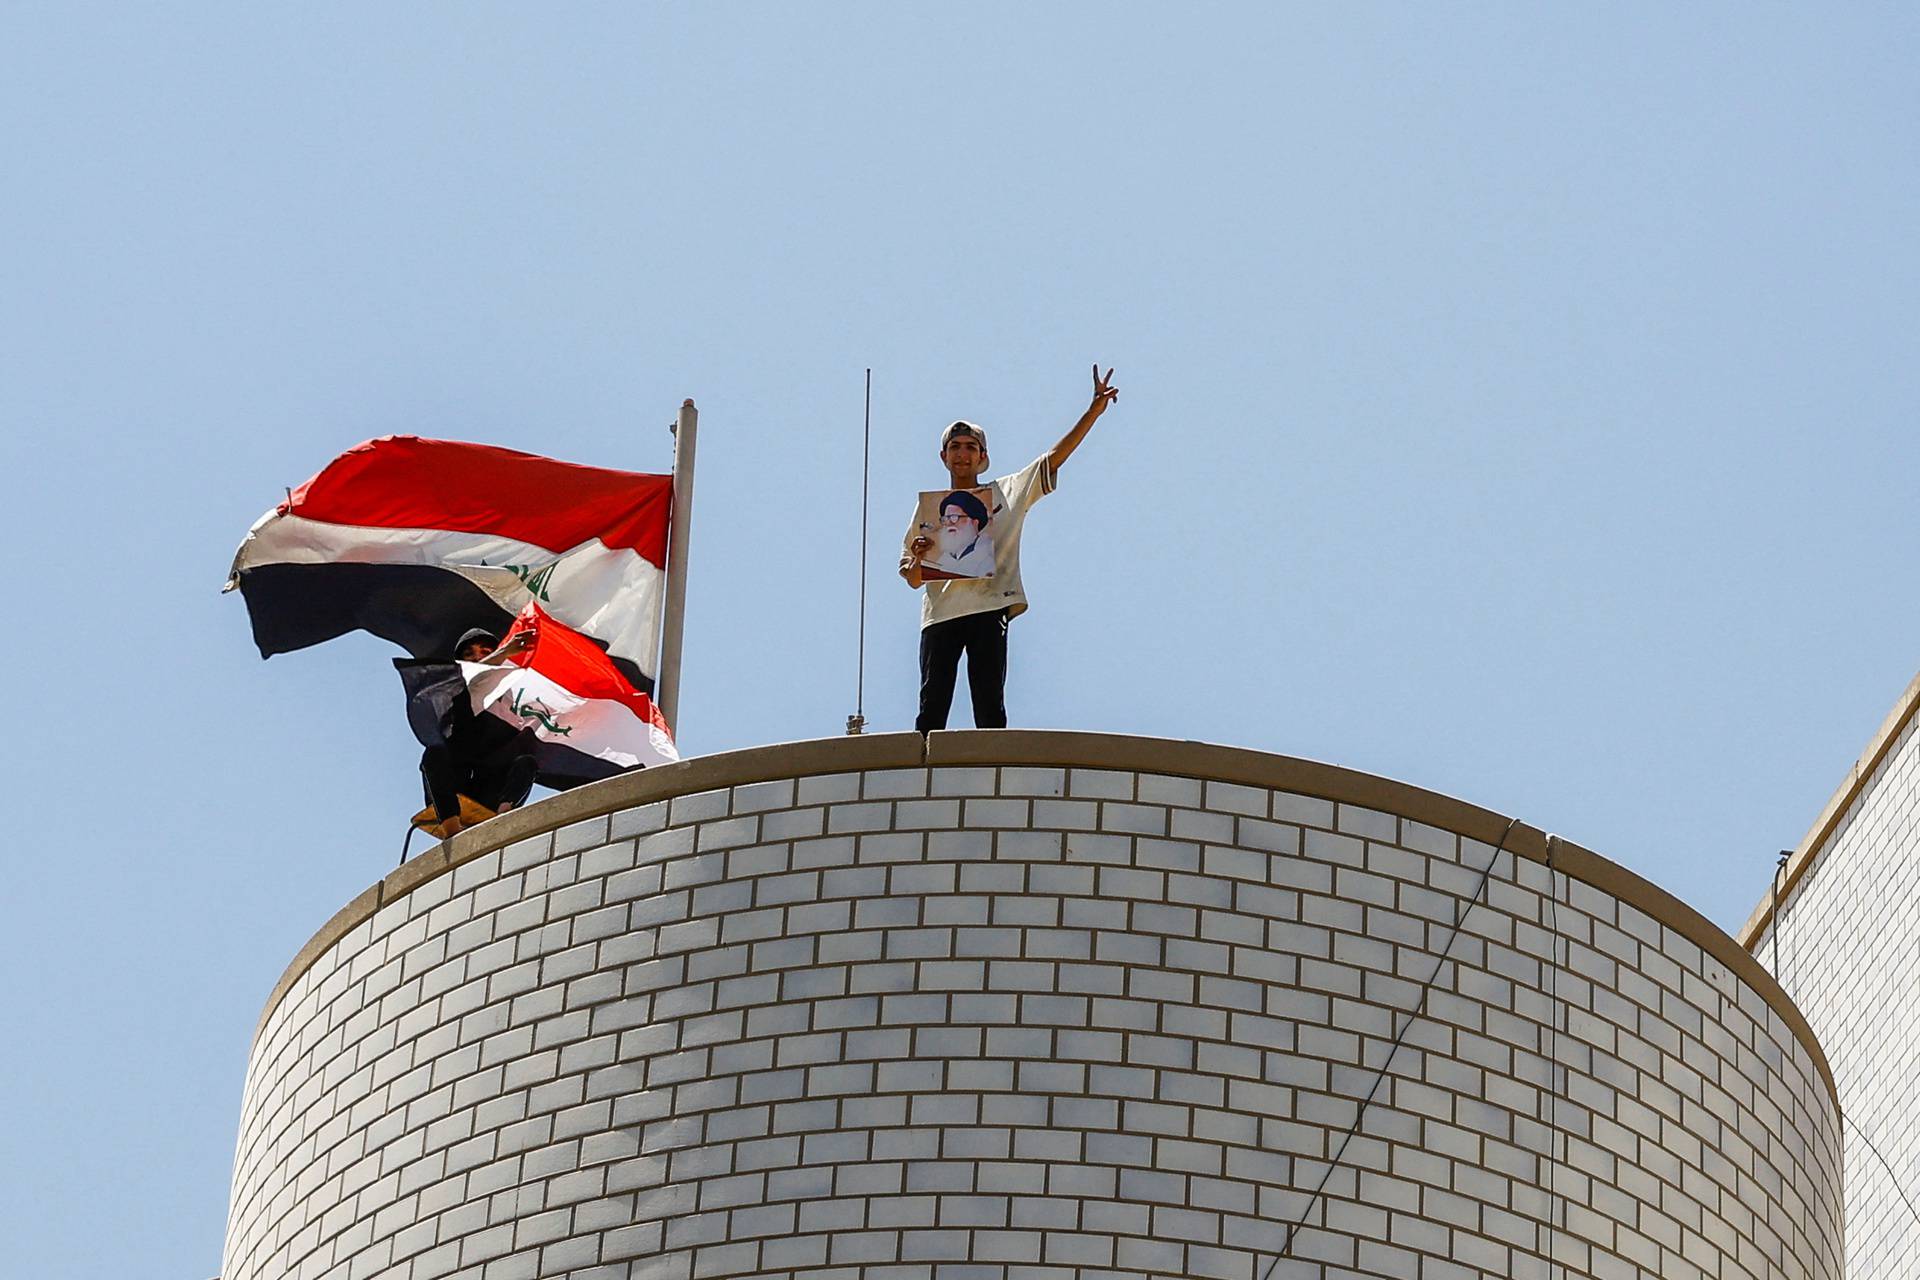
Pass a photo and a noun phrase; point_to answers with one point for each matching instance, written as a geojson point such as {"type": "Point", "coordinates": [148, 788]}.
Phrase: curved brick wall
{"type": "Point", "coordinates": [1026, 1005]}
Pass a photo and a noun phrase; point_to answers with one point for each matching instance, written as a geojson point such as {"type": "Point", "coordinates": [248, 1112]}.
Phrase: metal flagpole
{"type": "Point", "coordinates": [666, 688]}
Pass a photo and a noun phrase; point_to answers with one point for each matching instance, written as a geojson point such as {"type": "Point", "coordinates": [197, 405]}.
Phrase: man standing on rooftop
{"type": "Point", "coordinates": [970, 615]}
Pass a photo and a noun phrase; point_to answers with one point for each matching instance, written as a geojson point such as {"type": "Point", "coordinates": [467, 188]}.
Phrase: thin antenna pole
{"type": "Point", "coordinates": [666, 687]}
{"type": "Point", "coordinates": [857, 722]}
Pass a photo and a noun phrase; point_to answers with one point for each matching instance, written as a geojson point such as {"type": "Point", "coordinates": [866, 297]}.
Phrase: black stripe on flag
{"type": "Point", "coordinates": [563, 768]}
{"type": "Point", "coordinates": [422, 608]}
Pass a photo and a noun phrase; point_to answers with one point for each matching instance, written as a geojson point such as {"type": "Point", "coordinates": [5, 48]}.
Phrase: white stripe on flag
{"type": "Point", "coordinates": [612, 595]}
{"type": "Point", "coordinates": [596, 727]}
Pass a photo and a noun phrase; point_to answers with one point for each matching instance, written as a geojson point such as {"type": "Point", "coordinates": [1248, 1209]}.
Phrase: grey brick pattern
{"type": "Point", "coordinates": [1848, 951]}
{"type": "Point", "coordinates": [1023, 1023]}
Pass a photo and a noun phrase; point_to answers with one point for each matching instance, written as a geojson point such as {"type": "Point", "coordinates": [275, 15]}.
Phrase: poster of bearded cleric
{"type": "Point", "coordinates": [959, 522]}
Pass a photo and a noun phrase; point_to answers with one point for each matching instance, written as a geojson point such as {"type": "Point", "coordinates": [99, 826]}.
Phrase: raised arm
{"type": "Point", "coordinates": [516, 645]}
{"type": "Point", "coordinates": [1104, 394]}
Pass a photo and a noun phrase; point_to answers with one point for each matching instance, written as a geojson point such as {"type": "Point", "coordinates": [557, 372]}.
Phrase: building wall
{"type": "Point", "coordinates": [1026, 1005]}
{"type": "Point", "coordinates": [1847, 949]}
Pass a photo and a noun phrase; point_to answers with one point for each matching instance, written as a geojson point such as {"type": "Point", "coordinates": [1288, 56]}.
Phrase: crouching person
{"type": "Point", "coordinates": [479, 757]}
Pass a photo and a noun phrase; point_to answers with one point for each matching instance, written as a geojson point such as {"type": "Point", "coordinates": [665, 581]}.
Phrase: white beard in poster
{"type": "Point", "coordinates": [957, 537]}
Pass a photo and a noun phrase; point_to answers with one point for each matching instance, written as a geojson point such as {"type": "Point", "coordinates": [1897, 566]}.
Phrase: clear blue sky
{"type": "Point", "coordinates": [1516, 400]}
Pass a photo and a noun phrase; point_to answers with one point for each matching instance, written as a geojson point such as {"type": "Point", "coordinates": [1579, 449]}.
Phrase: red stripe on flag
{"type": "Point", "coordinates": [576, 664]}
{"type": "Point", "coordinates": [406, 482]}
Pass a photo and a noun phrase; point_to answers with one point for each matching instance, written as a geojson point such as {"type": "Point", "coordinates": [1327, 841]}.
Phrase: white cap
{"type": "Point", "coordinates": [961, 428]}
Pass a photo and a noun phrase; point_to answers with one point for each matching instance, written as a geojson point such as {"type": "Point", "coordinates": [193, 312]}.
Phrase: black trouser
{"type": "Point", "coordinates": [503, 776]}
{"type": "Point", "coordinates": [983, 637]}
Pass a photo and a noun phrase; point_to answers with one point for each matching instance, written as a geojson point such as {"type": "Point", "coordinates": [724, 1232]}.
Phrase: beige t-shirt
{"type": "Point", "coordinates": [1012, 495]}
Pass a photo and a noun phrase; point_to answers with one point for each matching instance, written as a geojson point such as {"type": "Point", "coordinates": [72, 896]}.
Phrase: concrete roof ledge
{"type": "Point", "coordinates": [1800, 861]}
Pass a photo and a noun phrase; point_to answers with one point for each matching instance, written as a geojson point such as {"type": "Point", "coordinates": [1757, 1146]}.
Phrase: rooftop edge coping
{"type": "Point", "coordinates": [1076, 749]}
{"type": "Point", "coordinates": [1808, 850]}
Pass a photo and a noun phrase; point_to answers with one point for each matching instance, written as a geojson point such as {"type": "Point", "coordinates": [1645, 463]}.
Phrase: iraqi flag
{"type": "Point", "coordinates": [587, 720]}
{"type": "Point", "coordinates": [418, 540]}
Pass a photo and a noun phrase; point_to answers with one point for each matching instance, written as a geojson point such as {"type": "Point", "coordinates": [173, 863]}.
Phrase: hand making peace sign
{"type": "Point", "coordinates": [1104, 392]}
